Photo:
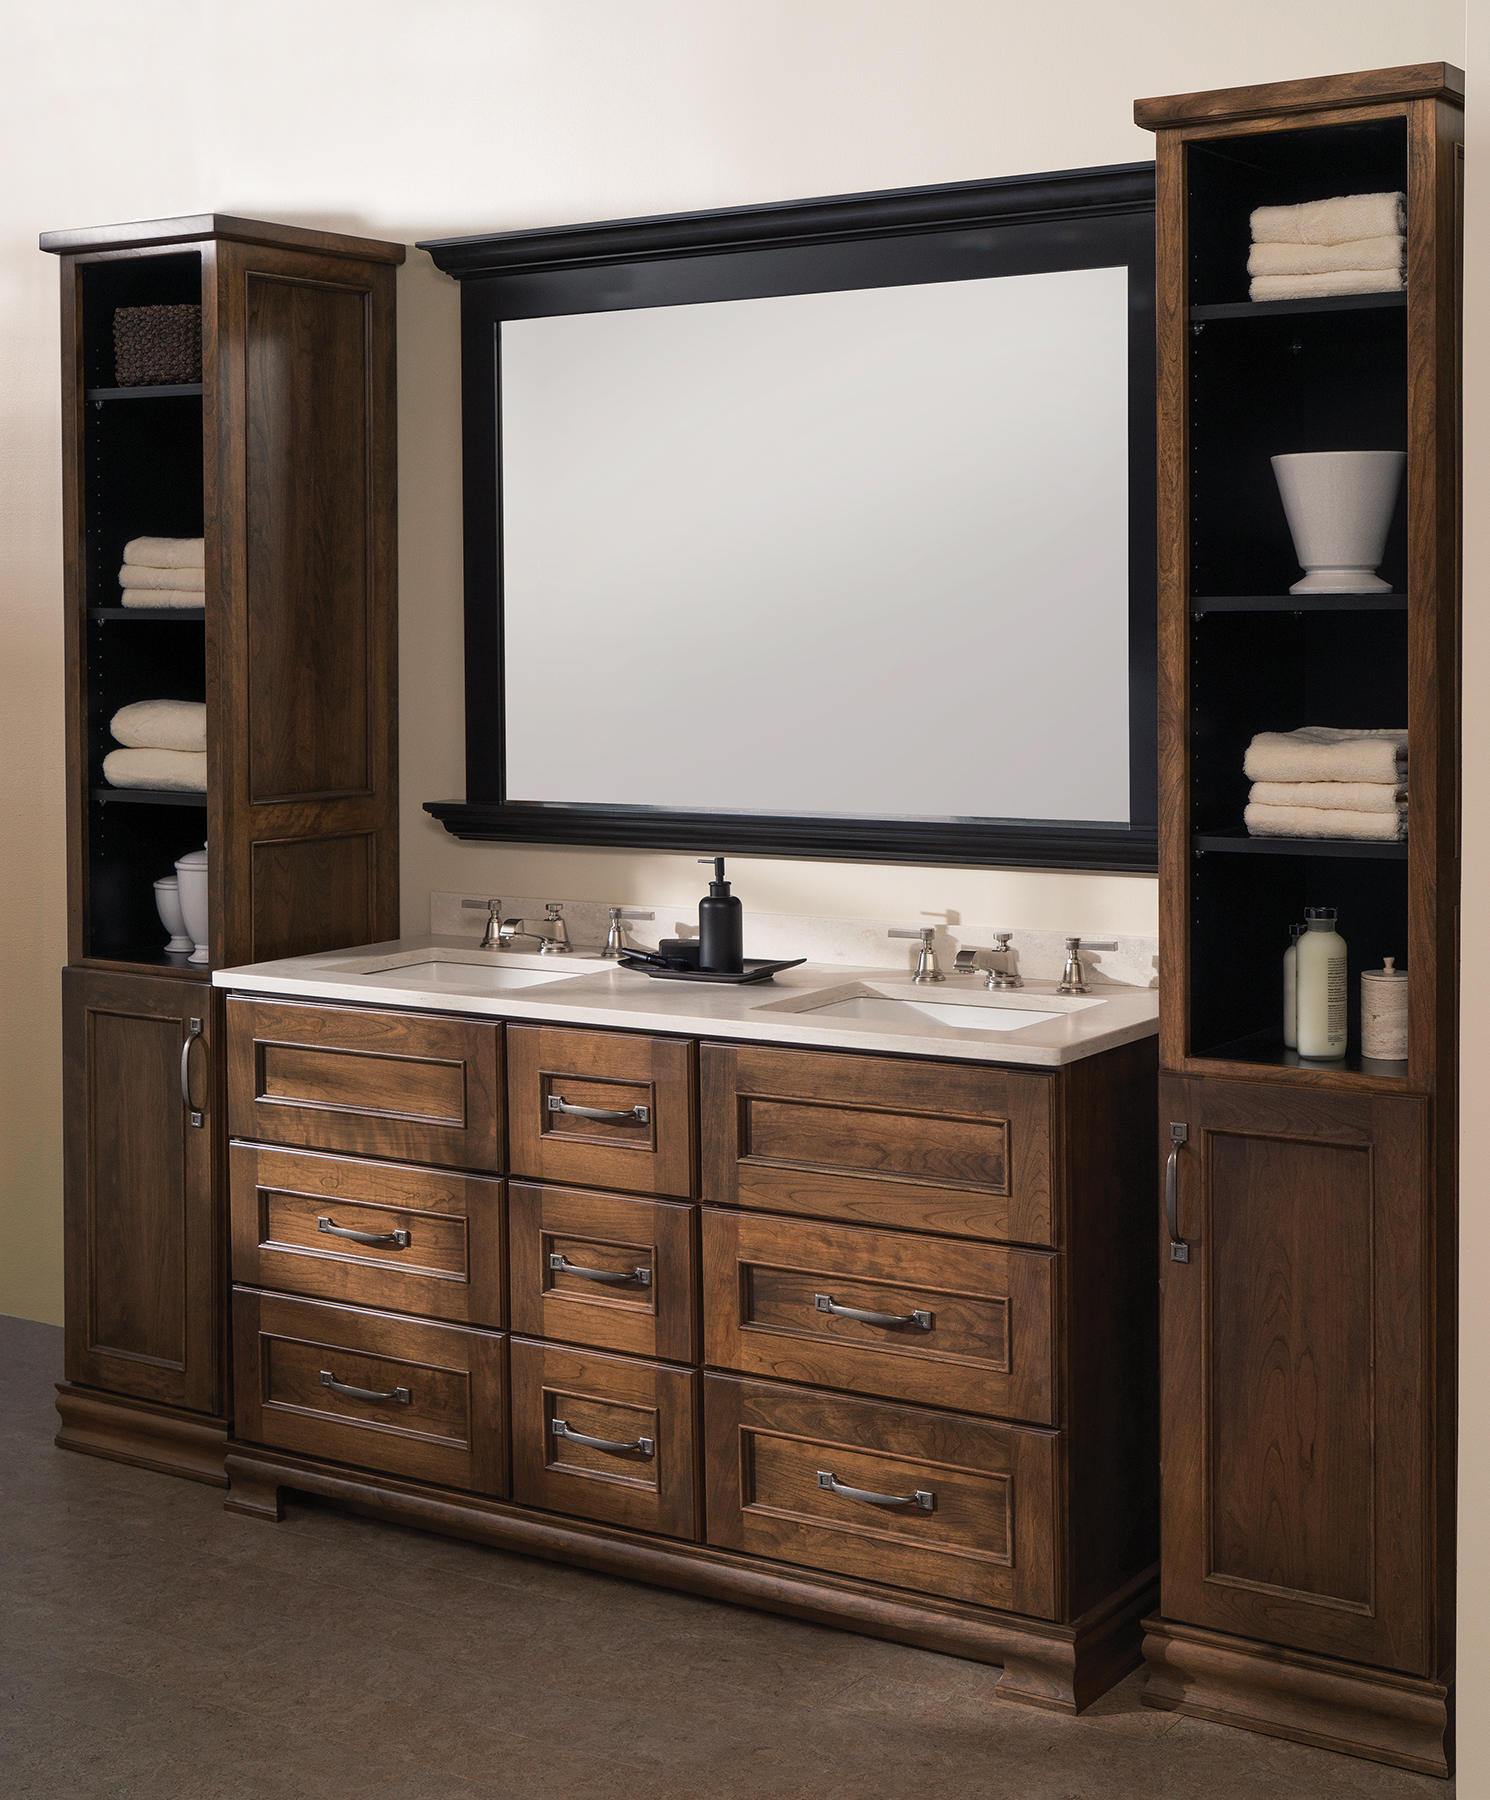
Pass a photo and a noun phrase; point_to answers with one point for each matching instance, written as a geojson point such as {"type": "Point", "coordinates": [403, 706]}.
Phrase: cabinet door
{"type": "Point", "coordinates": [1297, 1426]}
{"type": "Point", "coordinates": [143, 1243]}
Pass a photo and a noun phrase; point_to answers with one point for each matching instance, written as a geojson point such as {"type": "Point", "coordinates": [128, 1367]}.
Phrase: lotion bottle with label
{"type": "Point", "coordinates": [1290, 988]}
{"type": "Point", "coordinates": [1321, 987]}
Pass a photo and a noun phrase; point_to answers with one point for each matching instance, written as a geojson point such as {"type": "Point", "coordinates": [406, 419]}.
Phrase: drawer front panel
{"type": "Point", "coordinates": [936, 1147]}
{"type": "Point", "coordinates": [943, 1505]}
{"type": "Point", "coordinates": [401, 1085]}
{"type": "Point", "coordinates": [626, 1281]}
{"type": "Point", "coordinates": [642, 1469]}
{"type": "Point", "coordinates": [404, 1396]}
{"type": "Point", "coordinates": [967, 1326]}
{"type": "Point", "coordinates": [645, 1085]}
{"type": "Point", "coordinates": [441, 1252]}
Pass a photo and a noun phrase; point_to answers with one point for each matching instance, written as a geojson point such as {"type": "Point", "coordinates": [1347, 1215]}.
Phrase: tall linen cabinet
{"type": "Point", "coordinates": [1309, 1238]}
{"type": "Point", "coordinates": [282, 457]}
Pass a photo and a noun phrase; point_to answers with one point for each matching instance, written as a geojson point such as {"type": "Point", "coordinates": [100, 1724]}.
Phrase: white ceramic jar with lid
{"type": "Point", "coordinates": [168, 905]}
{"type": "Point", "coordinates": [1321, 987]}
{"type": "Point", "coordinates": [191, 882]}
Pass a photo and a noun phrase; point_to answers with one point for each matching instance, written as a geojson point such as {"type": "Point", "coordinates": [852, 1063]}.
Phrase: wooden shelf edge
{"type": "Point", "coordinates": [1411, 81]}
{"type": "Point", "coordinates": [162, 390]}
{"type": "Point", "coordinates": [1394, 300]}
{"type": "Point", "coordinates": [188, 615]}
{"type": "Point", "coordinates": [148, 796]}
{"type": "Point", "coordinates": [1295, 603]}
{"type": "Point", "coordinates": [1219, 1066]}
{"type": "Point", "coordinates": [1239, 842]}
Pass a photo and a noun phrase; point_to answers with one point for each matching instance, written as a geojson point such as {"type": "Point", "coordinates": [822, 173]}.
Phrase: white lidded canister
{"type": "Point", "coordinates": [1384, 1012]}
{"type": "Point", "coordinates": [191, 884]}
{"type": "Point", "coordinates": [1321, 987]}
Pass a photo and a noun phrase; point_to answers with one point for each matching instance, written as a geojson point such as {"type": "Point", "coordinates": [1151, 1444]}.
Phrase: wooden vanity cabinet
{"type": "Point", "coordinates": [1308, 1346]}
{"type": "Point", "coordinates": [777, 1341]}
{"type": "Point", "coordinates": [281, 457]}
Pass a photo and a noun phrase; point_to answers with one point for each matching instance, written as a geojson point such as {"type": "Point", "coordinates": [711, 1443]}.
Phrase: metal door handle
{"type": "Point", "coordinates": [636, 1115]}
{"type": "Point", "coordinates": [402, 1395]}
{"type": "Point", "coordinates": [826, 1303]}
{"type": "Point", "coordinates": [922, 1498]}
{"type": "Point", "coordinates": [401, 1238]}
{"type": "Point", "coordinates": [647, 1446]}
{"type": "Point", "coordinates": [1179, 1250]}
{"type": "Point", "coordinates": [194, 1031]}
{"type": "Point", "coordinates": [561, 1263]}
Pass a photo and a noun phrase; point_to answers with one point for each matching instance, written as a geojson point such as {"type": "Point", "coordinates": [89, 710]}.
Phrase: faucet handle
{"type": "Point", "coordinates": [926, 968]}
{"type": "Point", "coordinates": [925, 932]}
{"type": "Point", "coordinates": [552, 908]}
{"type": "Point", "coordinates": [492, 907]}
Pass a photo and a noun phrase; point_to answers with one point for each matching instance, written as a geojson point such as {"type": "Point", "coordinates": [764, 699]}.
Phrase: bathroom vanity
{"type": "Point", "coordinates": [831, 1296]}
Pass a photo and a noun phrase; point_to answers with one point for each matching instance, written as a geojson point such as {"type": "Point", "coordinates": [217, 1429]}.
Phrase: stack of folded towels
{"type": "Point", "coordinates": [1320, 782]}
{"type": "Point", "coordinates": [162, 571]}
{"type": "Point", "coordinates": [1355, 244]}
{"type": "Point", "coordinates": [166, 746]}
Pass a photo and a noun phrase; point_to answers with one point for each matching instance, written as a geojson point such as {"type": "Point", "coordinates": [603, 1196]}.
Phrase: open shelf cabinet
{"type": "Point", "coordinates": [1307, 1349]}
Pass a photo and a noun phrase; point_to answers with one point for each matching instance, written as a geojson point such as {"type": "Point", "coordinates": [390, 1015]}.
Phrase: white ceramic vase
{"type": "Point", "coordinates": [168, 905]}
{"type": "Point", "coordinates": [191, 881]}
{"type": "Point", "coordinates": [1339, 505]}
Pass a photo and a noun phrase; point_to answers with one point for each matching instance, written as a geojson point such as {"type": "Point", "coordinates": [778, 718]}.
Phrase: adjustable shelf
{"type": "Point", "coordinates": [165, 391]}
{"type": "Point", "coordinates": [1237, 840]}
{"type": "Point", "coordinates": [1295, 603]}
{"type": "Point", "coordinates": [187, 614]}
{"type": "Point", "coordinates": [1277, 309]}
{"type": "Point", "coordinates": [1266, 1050]}
{"type": "Point", "coordinates": [149, 796]}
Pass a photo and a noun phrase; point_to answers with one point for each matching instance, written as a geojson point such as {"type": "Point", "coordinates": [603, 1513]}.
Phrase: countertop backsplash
{"type": "Point", "coordinates": [858, 943]}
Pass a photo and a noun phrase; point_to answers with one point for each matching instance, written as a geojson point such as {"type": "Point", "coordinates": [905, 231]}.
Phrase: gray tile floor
{"type": "Point", "coordinates": [154, 1647]}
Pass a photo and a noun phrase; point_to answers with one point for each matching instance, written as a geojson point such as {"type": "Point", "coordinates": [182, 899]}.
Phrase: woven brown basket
{"type": "Point", "coordinates": [155, 346]}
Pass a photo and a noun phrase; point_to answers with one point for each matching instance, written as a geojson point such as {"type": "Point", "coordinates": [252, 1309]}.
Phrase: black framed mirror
{"type": "Point", "coordinates": [823, 529]}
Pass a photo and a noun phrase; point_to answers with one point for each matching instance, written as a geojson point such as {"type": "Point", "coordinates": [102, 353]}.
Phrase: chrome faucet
{"type": "Point", "coordinates": [615, 938]}
{"type": "Point", "coordinates": [926, 967]}
{"type": "Point", "coordinates": [493, 907]}
{"type": "Point", "coordinates": [1073, 981]}
{"type": "Point", "coordinates": [554, 941]}
{"type": "Point", "coordinates": [968, 963]}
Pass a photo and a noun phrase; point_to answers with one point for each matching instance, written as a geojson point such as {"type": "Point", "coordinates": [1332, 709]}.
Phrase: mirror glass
{"type": "Point", "coordinates": [855, 552]}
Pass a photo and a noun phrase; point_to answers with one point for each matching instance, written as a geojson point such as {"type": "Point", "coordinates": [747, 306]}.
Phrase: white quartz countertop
{"type": "Point", "coordinates": [828, 1006]}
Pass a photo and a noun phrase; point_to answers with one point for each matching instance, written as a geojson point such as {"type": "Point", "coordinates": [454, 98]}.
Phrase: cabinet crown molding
{"type": "Point", "coordinates": [1413, 81]}
{"type": "Point", "coordinates": [194, 227]}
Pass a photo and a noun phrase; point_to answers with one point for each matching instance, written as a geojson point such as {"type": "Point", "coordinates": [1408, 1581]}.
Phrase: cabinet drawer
{"type": "Point", "coordinates": [627, 1278]}
{"type": "Point", "coordinates": [394, 1084]}
{"type": "Point", "coordinates": [969, 1326]}
{"type": "Point", "coordinates": [299, 1218]}
{"type": "Point", "coordinates": [431, 1403]}
{"type": "Point", "coordinates": [646, 1083]}
{"type": "Point", "coordinates": [641, 1472]}
{"type": "Point", "coordinates": [938, 1147]}
{"type": "Point", "coordinates": [973, 1504]}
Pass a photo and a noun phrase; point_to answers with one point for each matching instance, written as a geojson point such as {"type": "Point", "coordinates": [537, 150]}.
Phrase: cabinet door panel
{"type": "Point", "coordinates": [1296, 1427]}
{"type": "Point", "coordinates": [143, 1314]}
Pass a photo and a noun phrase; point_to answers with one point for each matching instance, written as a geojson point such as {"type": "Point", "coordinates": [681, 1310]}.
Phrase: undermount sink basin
{"type": "Point", "coordinates": [900, 1007]}
{"type": "Point", "coordinates": [427, 973]}
{"type": "Point", "coordinates": [970, 1016]}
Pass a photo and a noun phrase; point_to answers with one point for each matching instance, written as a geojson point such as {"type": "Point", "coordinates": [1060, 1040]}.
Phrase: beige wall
{"type": "Point", "coordinates": [472, 115]}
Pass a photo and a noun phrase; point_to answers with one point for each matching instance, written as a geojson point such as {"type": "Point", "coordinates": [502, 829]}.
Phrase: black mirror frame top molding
{"type": "Point", "coordinates": [1078, 218]}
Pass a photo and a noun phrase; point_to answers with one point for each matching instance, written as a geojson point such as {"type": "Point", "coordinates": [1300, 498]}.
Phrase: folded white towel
{"type": "Point", "coordinates": [1325, 822]}
{"type": "Point", "coordinates": [136, 575]}
{"type": "Point", "coordinates": [183, 771]}
{"type": "Point", "coordinates": [1328, 753]}
{"type": "Point", "coordinates": [1346, 796]}
{"type": "Point", "coordinates": [165, 553]}
{"type": "Point", "coordinates": [1338, 221]}
{"type": "Point", "coordinates": [1327, 259]}
{"type": "Point", "coordinates": [161, 725]}
{"type": "Point", "coordinates": [185, 598]}
{"type": "Point", "coordinates": [1317, 287]}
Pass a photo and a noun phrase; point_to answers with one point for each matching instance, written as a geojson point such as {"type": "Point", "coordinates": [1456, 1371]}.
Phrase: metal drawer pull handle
{"type": "Point", "coordinates": [647, 1446]}
{"type": "Point", "coordinates": [401, 1238]}
{"type": "Point", "coordinates": [558, 1261]}
{"type": "Point", "coordinates": [402, 1395]}
{"type": "Point", "coordinates": [826, 1303]}
{"type": "Point", "coordinates": [194, 1031]}
{"type": "Point", "coordinates": [922, 1498]}
{"type": "Point", "coordinates": [636, 1115]}
{"type": "Point", "coordinates": [1179, 1250]}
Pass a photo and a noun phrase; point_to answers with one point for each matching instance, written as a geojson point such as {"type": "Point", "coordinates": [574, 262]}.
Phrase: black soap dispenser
{"type": "Point", "coordinates": [721, 926]}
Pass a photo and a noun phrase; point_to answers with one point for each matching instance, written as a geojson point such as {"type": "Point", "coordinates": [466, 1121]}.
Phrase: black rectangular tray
{"type": "Point", "coordinates": [754, 970]}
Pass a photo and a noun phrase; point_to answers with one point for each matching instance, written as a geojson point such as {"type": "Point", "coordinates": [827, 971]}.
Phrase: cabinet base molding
{"type": "Point", "coordinates": [1359, 1711]}
{"type": "Point", "coordinates": [143, 1433]}
{"type": "Point", "coordinates": [1062, 1667]}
